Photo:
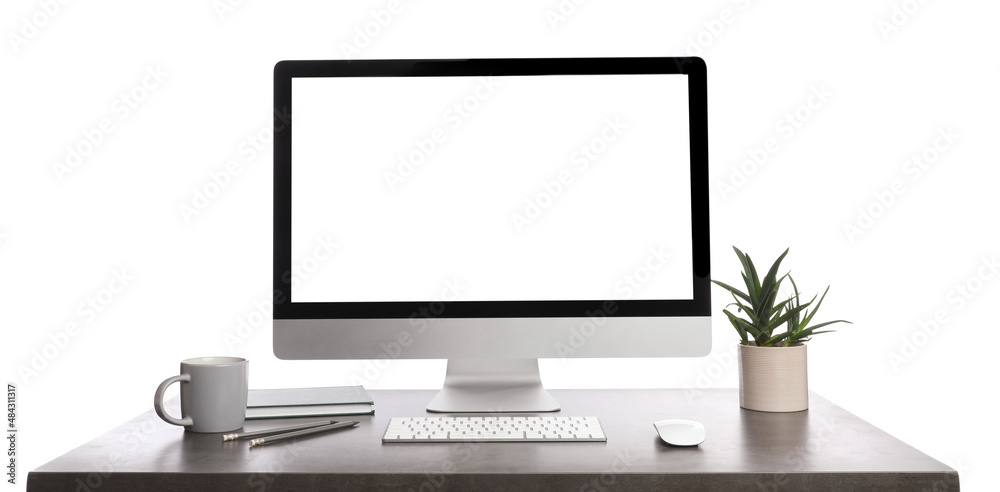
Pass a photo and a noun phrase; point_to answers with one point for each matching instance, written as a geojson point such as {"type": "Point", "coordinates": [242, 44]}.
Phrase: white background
{"type": "Point", "coordinates": [887, 92]}
{"type": "Point", "coordinates": [522, 188]}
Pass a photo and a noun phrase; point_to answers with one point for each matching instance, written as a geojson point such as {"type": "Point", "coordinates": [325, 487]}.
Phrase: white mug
{"type": "Point", "coordinates": [213, 394]}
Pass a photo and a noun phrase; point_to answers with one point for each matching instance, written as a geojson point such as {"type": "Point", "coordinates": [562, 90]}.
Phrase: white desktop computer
{"type": "Point", "coordinates": [491, 212]}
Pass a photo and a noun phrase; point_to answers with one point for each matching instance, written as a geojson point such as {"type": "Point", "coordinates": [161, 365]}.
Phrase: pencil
{"type": "Point", "coordinates": [260, 441]}
{"type": "Point", "coordinates": [280, 430]}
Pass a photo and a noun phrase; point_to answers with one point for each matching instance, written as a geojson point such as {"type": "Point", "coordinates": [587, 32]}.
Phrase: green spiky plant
{"type": "Point", "coordinates": [765, 314]}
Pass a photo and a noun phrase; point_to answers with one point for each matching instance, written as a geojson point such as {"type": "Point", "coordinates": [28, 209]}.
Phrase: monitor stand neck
{"type": "Point", "coordinates": [494, 386]}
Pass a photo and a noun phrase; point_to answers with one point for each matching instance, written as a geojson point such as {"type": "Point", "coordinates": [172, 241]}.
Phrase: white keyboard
{"type": "Point", "coordinates": [501, 429]}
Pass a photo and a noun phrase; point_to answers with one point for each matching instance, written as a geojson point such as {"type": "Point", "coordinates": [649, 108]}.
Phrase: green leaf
{"type": "Point", "coordinates": [751, 289]}
{"type": "Point", "coordinates": [766, 306]}
{"type": "Point", "coordinates": [739, 329]}
{"type": "Point", "coordinates": [820, 325]}
{"type": "Point", "coordinates": [779, 307]}
{"type": "Point", "coordinates": [734, 290]}
{"type": "Point", "coordinates": [767, 291]}
{"type": "Point", "coordinates": [742, 324]}
{"type": "Point", "coordinates": [750, 270]}
{"type": "Point", "coordinates": [794, 323]}
{"type": "Point", "coordinates": [773, 272]}
{"type": "Point", "coordinates": [762, 340]}
{"type": "Point", "coordinates": [750, 314]}
{"type": "Point", "coordinates": [784, 317]}
{"type": "Point", "coordinates": [809, 317]}
{"type": "Point", "coordinates": [775, 339]}
{"type": "Point", "coordinates": [806, 338]}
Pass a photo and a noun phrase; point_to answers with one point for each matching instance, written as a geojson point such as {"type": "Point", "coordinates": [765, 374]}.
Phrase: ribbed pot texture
{"type": "Point", "coordinates": [774, 379]}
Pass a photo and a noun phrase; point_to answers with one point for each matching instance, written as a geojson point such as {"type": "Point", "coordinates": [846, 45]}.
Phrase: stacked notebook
{"type": "Point", "coordinates": [308, 402]}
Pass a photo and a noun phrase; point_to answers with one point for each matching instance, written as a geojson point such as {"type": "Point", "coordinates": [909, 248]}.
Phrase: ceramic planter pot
{"type": "Point", "coordinates": [773, 379]}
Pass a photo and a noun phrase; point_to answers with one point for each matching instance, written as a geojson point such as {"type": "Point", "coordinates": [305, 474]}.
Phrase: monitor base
{"type": "Point", "coordinates": [492, 386]}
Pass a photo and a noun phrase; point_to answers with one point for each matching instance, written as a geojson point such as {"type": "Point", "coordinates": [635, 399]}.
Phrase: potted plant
{"type": "Point", "coordinates": [772, 362]}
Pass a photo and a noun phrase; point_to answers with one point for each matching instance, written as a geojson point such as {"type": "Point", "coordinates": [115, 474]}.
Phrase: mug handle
{"type": "Point", "coordinates": [158, 401]}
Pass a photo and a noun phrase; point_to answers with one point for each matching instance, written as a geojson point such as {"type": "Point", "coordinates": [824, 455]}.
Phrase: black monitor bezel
{"type": "Point", "coordinates": [285, 71]}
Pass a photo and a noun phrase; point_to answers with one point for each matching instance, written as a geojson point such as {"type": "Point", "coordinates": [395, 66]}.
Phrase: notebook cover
{"type": "Point", "coordinates": [309, 411]}
{"type": "Point", "coordinates": [290, 397]}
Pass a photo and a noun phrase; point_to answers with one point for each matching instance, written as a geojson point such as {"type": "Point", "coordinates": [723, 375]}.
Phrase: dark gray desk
{"type": "Point", "coordinates": [824, 448]}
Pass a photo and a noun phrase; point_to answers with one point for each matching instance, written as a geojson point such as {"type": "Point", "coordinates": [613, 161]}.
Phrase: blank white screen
{"type": "Point", "coordinates": [561, 187]}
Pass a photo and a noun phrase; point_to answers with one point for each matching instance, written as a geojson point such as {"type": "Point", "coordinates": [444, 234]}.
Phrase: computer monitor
{"type": "Point", "coordinates": [491, 212]}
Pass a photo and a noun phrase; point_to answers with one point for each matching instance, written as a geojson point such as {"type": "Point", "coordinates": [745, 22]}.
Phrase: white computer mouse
{"type": "Point", "coordinates": [680, 432]}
